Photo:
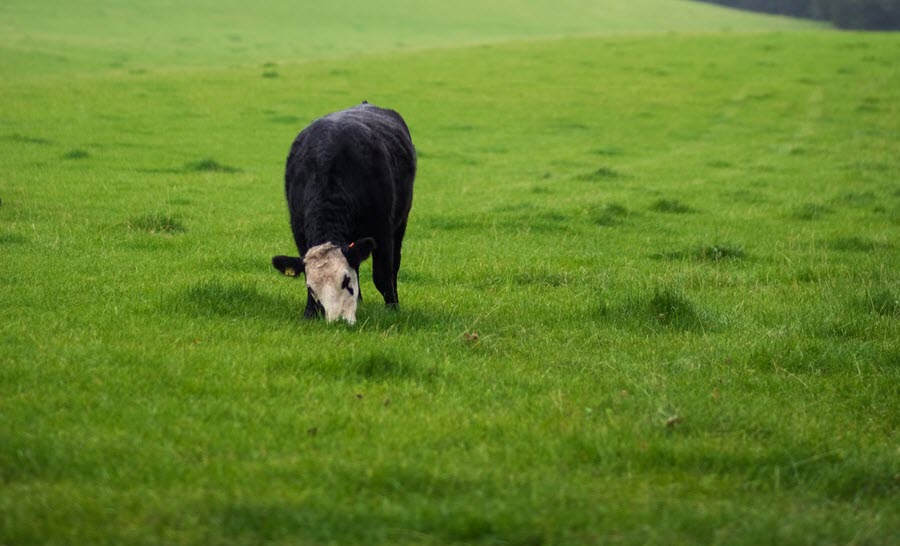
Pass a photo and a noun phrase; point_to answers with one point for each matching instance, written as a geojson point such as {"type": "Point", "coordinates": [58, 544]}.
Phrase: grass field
{"type": "Point", "coordinates": [650, 291]}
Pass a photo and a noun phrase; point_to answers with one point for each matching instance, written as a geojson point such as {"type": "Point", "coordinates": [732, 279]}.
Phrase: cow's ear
{"type": "Point", "coordinates": [287, 265]}
{"type": "Point", "coordinates": [359, 251]}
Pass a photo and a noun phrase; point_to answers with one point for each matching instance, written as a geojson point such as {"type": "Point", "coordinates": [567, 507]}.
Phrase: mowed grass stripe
{"type": "Point", "coordinates": [570, 363]}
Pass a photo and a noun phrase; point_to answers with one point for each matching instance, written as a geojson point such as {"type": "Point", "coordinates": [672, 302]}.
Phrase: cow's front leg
{"type": "Point", "coordinates": [383, 272]}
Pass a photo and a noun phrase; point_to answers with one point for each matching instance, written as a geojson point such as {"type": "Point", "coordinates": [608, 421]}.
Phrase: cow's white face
{"type": "Point", "coordinates": [332, 282]}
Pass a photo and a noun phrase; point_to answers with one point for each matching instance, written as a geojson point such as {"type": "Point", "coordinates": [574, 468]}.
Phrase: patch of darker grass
{"type": "Point", "coordinates": [857, 198]}
{"type": "Point", "coordinates": [883, 301]}
{"type": "Point", "coordinates": [608, 151]}
{"type": "Point", "coordinates": [287, 120]}
{"type": "Point", "coordinates": [494, 150]}
{"type": "Point", "coordinates": [747, 196]}
{"type": "Point", "coordinates": [843, 326]}
{"type": "Point", "coordinates": [76, 154]}
{"type": "Point", "coordinates": [270, 74]}
{"type": "Point", "coordinates": [808, 275]}
{"type": "Point", "coordinates": [673, 309]}
{"type": "Point", "coordinates": [571, 125]}
{"type": "Point", "coordinates": [544, 221]}
{"type": "Point", "coordinates": [666, 309]}
{"type": "Point", "coordinates": [465, 128]}
{"type": "Point", "coordinates": [209, 166]}
{"type": "Point", "coordinates": [11, 239]}
{"type": "Point", "coordinates": [708, 253]}
{"type": "Point", "coordinates": [835, 476]}
{"type": "Point", "coordinates": [599, 175]}
{"type": "Point", "coordinates": [610, 214]}
{"type": "Point", "coordinates": [542, 277]}
{"type": "Point", "coordinates": [870, 104]}
{"type": "Point", "coordinates": [24, 139]}
{"type": "Point", "coordinates": [157, 223]}
{"type": "Point", "coordinates": [810, 211]}
{"type": "Point", "coordinates": [820, 355]}
{"type": "Point", "coordinates": [854, 244]}
{"type": "Point", "coordinates": [718, 253]}
{"type": "Point", "coordinates": [720, 164]}
{"type": "Point", "coordinates": [380, 365]}
{"type": "Point", "coordinates": [671, 206]}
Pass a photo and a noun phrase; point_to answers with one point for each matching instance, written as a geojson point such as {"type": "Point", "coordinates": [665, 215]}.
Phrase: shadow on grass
{"type": "Point", "coordinates": [244, 300]}
{"type": "Point", "coordinates": [236, 300]}
{"type": "Point", "coordinates": [376, 364]}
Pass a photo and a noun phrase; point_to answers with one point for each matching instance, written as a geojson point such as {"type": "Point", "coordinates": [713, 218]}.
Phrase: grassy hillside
{"type": "Point", "coordinates": [649, 295]}
{"type": "Point", "coordinates": [72, 37]}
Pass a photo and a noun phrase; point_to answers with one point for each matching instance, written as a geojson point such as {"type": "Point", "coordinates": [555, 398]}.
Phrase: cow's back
{"type": "Point", "coordinates": [358, 162]}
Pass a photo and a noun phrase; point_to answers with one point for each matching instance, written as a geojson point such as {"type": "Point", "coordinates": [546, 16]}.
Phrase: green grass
{"type": "Point", "coordinates": [649, 291]}
{"type": "Point", "coordinates": [55, 37]}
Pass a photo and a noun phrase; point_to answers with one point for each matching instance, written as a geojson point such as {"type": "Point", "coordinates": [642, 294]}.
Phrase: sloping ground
{"type": "Point", "coordinates": [649, 296]}
{"type": "Point", "coordinates": [69, 37]}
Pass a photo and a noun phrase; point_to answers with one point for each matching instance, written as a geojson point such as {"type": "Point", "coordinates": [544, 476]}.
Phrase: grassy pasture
{"type": "Point", "coordinates": [650, 290]}
{"type": "Point", "coordinates": [58, 37]}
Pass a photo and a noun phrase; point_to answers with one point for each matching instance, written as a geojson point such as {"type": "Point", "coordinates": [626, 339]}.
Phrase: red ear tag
{"type": "Point", "coordinates": [351, 245]}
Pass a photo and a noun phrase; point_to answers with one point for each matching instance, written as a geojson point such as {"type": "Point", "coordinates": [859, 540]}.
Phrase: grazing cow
{"type": "Point", "coordinates": [349, 183]}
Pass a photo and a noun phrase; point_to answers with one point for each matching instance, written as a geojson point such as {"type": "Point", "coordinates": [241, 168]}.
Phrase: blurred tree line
{"type": "Point", "coordinates": [851, 14]}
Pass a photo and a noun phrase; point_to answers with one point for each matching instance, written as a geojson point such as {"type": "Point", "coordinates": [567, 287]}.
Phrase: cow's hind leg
{"type": "Point", "coordinates": [383, 272]}
{"type": "Point", "coordinates": [398, 243]}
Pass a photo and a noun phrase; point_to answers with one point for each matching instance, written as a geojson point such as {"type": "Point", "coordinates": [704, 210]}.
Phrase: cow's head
{"type": "Point", "coordinates": [331, 275]}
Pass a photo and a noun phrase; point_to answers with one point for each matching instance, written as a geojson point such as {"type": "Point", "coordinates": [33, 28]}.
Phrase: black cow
{"type": "Point", "coordinates": [349, 184]}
